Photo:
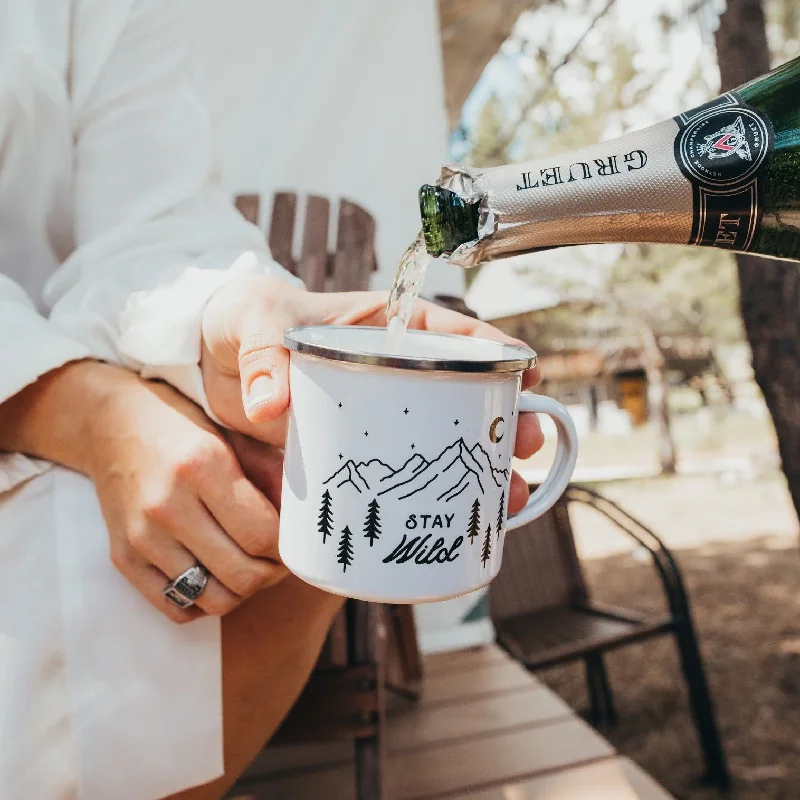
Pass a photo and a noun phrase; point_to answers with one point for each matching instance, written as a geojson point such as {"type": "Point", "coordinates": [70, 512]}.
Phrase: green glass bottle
{"type": "Point", "coordinates": [725, 174]}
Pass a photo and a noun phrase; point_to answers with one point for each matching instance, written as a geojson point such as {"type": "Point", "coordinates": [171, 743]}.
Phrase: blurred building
{"type": "Point", "coordinates": [587, 363]}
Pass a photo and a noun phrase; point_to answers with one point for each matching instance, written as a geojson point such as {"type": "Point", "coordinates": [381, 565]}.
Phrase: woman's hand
{"type": "Point", "coordinates": [170, 487]}
{"type": "Point", "coordinates": [246, 368]}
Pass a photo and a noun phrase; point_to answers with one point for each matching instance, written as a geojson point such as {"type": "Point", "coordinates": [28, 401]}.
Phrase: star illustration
{"type": "Point", "coordinates": [340, 405]}
{"type": "Point", "coordinates": [366, 433]}
{"type": "Point", "coordinates": [406, 411]}
{"type": "Point", "coordinates": [413, 446]}
{"type": "Point", "coordinates": [340, 456]}
{"type": "Point", "coordinates": [456, 423]}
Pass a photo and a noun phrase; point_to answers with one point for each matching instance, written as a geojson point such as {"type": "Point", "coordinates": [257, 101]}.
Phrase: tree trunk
{"type": "Point", "coordinates": [658, 399]}
{"type": "Point", "coordinates": [770, 290]}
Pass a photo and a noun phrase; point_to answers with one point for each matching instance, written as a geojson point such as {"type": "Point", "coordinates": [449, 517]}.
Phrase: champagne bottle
{"type": "Point", "coordinates": [725, 174]}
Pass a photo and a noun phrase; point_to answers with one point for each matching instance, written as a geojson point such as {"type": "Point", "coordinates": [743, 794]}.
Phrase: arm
{"type": "Point", "coordinates": [171, 488]}
{"type": "Point", "coordinates": [156, 233]}
{"type": "Point", "coordinates": [29, 348]}
{"type": "Point", "coordinates": [46, 419]}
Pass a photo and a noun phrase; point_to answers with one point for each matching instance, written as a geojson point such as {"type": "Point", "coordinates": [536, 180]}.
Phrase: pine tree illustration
{"type": "Point", "coordinates": [372, 526]}
{"type": "Point", "coordinates": [500, 513]}
{"type": "Point", "coordinates": [487, 546]}
{"type": "Point", "coordinates": [474, 525]}
{"type": "Point", "coordinates": [345, 557]}
{"type": "Point", "coordinates": [326, 516]}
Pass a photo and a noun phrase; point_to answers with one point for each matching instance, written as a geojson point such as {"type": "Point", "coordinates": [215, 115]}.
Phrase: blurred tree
{"type": "Point", "coordinates": [770, 290]}
{"type": "Point", "coordinates": [601, 84]}
{"type": "Point", "coordinates": [491, 123]}
{"type": "Point", "coordinates": [656, 293]}
{"type": "Point", "coordinates": [651, 297]}
{"type": "Point", "coordinates": [652, 291]}
{"type": "Point", "coordinates": [471, 33]}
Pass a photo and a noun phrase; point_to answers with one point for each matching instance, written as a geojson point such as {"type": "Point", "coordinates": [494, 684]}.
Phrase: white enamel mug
{"type": "Point", "coordinates": [397, 467]}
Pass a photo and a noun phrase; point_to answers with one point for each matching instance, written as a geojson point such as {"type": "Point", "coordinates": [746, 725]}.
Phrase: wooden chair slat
{"type": "Point", "coordinates": [354, 258]}
{"type": "Point", "coordinates": [281, 229]}
{"type": "Point", "coordinates": [249, 206]}
{"type": "Point", "coordinates": [312, 267]}
{"type": "Point", "coordinates": [369, 646]}
{"type": "Point", "coordinates": [404, 663]}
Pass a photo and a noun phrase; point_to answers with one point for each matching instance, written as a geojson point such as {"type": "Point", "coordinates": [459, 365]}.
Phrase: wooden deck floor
{"type": "Point", "coordinates": [485, 730]}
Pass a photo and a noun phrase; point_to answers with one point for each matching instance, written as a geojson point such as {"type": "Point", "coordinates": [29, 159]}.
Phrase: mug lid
{"type": "Point", "coordinates": [422, 350]}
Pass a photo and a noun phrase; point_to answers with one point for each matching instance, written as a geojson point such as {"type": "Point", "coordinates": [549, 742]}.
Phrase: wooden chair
{"type": "Point", "coordinates": [371, 650]}
{"type": "Point", "coordinates": [543, 614]}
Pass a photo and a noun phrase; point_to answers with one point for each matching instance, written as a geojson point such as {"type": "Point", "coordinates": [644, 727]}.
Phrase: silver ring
{"type": "Point", "coordinates": [187, 587]}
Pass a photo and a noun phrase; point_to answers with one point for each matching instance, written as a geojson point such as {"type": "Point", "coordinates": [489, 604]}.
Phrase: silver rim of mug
{"type": "Point", "coordinates": [523, 358]}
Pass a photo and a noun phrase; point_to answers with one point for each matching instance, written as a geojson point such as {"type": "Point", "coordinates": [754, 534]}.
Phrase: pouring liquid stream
{"type": "Point", "coordinates": [407, 285]}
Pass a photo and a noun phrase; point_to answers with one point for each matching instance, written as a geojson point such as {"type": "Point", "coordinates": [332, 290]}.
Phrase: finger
{"type": "Point", "coordinates": [245, 515]}
{"type": "Point", "coordinates": [247, 518]}
{"type": "Point", "coordinates": [240, 573]}
{"type": "Point", "coordinates": [530, 438]}
{"type": "Point", "coordinates": [226, 387]}
{"type": "Point", "coordinates": [150, 583]}
{"type": "Point", "coordinates": [430, 317]}
{"type": "Point", "coordinates": [369, 308]}
{"type": "Point", "coordinates": [264, 373]}
{"type": "Point", "coordinates": [531, 377]}
{"type": "Point", "coordinates": [517, 493]}
{"type": "Point", "coordinates": [157, 546]}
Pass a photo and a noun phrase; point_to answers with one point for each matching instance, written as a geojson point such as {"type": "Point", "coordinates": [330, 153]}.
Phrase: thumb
{"type": "Point", "coordinates": [264, 373]}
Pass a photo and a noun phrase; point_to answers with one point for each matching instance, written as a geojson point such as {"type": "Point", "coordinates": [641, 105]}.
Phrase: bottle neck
{"type": "Point", "coordinates": [447, 220]}
{"type": "Point", "coordinates": [626, 190]}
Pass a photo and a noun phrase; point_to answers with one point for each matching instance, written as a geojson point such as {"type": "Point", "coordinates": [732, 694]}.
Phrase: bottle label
{"type": "Point", "coordinates": [721, 148]}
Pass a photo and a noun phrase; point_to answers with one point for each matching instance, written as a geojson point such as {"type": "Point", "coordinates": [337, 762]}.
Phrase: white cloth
{"type": "Point", "coordinates": [114, 231]}
{"type": "Point", "coordinates": [108, 166]}
{"type": "Point", "coordinates": [112, 216]}
{"type": "Point", "coordinates": [101, 697]}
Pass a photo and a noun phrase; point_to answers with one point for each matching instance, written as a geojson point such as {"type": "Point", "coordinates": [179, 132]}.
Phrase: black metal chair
{"type": "Point", "coordinates": [543, 615]}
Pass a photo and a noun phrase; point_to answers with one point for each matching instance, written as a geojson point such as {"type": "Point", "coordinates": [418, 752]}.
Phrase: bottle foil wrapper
{"type": "Point", "coordinates": [626, 190]}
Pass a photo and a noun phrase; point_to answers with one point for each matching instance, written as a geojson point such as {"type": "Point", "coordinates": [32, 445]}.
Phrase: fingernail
{"type": "Point", "coordinates": [261, 391]}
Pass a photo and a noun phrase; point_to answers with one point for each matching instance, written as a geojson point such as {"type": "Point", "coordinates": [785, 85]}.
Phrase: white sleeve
{"type": "Point", "coordinates": [29, 347]}
{"type": "Point", "coordinates": [156, 234]}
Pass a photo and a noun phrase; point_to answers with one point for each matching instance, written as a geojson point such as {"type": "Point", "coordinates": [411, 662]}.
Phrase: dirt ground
{"type": "Point", "coordinates": [736, 541]}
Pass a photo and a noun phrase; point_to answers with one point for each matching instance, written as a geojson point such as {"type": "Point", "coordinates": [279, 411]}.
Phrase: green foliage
{"type": "Point", "coordinates": [676, 291]}
{"type": "Point", "coordinates": [783, 29]}
{"type": "Point", "coordinates": [489, 128]}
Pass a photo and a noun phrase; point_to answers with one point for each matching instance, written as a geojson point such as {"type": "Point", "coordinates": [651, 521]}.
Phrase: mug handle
{"type": "Point", "coordinates": [557, 480]}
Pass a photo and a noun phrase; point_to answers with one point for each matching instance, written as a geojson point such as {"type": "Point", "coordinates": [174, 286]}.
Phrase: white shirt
{"type": "Point", "coordinates": [114, 228]}
{"type": "Point", "coordinates": [114, 231]}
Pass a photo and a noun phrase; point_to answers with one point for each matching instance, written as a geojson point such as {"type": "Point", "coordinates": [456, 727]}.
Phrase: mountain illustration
{"type": "Point", "coordinates": [363, 476]}
{"type": "Point", "coordinates": [482, 457]}
{"type": "Point", "coordinates": [457, 469]}
{"type": "Point", "coordinates": [408, 470]}
{"type": "Point", "coordinates": [445, 477]}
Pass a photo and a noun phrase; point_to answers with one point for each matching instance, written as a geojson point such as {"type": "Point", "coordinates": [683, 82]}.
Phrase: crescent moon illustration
{"type": "Point", "coordinates": [493, 431]}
